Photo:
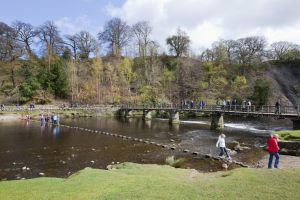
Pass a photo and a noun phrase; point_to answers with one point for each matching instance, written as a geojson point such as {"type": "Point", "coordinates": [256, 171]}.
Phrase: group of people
{"type": "Point", "coordinates": [272, 147]}
{"type": "Point", "coordinates": [45, 119]}
{"type": "Point", "coordinates": [190, 104]}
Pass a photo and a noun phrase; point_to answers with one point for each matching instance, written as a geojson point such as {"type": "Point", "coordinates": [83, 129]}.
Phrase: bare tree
{"type": "Point", "coordinates": [117, 34]}
{"type": "Point", "coordinates": [49, 36]}
{"type": "Point", "coordinates": [86, 44]}
{"type": "Point", "coordinates": [250, 49]}
{"type": "Point", "coordinates": [280, 49]}
{"type": "Point", "coordinates": [179, 43]}
{"type": "Point", "coordinates": [142, 31]}
{"type": "Point", "coordinates": [72, 43]}
{"type": "Point", "coordinates": [25, 34]}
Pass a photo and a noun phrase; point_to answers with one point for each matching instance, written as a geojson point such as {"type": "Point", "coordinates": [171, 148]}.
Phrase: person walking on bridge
{"type": "Point", "coordinates": [221, 144]}
{"type": "Point", "coordinates": [273, 149]}
{"type": "Point", "coordinates": [277, 107]}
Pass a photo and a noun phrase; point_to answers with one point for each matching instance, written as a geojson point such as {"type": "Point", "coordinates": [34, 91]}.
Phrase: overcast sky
{"type": "Point", "coordinates": [205, 21]}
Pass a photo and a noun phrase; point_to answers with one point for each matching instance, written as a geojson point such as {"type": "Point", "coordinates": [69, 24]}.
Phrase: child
{"type": "Point", "coordinates": [221, 144]}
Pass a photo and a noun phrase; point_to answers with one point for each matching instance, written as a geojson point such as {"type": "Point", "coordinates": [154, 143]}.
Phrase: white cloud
{"type": "Point", "coordinates": [207, 21]}
{"type": "Point", "coordinates": [71, 26]}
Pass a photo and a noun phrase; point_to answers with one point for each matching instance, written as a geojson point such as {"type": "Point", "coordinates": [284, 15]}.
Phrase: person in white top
{"type": "Point", "coordinates": [221, 144]}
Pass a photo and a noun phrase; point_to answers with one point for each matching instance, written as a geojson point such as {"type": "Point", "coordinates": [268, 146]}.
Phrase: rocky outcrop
{"type": "Point", "coordinates": [289, 148]}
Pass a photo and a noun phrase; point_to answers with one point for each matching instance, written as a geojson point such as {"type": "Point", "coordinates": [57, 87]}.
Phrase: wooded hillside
{"type": "Point", "coordinates": [38, 64]}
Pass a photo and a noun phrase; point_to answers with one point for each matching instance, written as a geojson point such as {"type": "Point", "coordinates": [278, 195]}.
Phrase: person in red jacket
{"type": "Point", "coordinates": [273, 149]}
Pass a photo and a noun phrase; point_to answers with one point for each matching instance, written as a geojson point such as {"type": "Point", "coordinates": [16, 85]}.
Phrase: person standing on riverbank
{"type": "Point", "coordinates": [273, 149]}
{"type": "Point", "coordinates": [221, 144]}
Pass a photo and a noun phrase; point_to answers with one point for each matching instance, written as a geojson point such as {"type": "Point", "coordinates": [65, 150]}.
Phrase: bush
{"type": "Point", "coordinates": [262, 92]}
{"type": "Point", "coordinates": [28, 89]}
{"type": "Point", "coordinates": [177, 163]}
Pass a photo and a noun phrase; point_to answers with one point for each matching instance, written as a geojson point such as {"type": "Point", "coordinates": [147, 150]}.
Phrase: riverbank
{"type": "Point", "coordinates": [100, 111]}
{"type": "Point", "coordinates": [9, 117]}
{"type": "Point", "coordinates": [135, 181]}
{"type": "Point", "coordinates": [289, 135]}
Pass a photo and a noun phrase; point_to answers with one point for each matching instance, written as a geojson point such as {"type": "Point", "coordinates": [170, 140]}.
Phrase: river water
{"type": "Point", "coordinates": [59, 151]}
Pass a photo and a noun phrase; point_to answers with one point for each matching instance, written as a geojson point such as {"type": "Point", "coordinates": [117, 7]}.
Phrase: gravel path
{"type": "Point", "coordinates": [284, 162]}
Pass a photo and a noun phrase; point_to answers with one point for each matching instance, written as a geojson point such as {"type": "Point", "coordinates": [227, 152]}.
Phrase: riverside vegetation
{"type": "Point", "coordinates": [72, 68]}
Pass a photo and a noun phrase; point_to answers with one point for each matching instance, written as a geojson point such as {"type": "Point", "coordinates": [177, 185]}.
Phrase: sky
{"type": "Point", "coordinates": [205, 21]}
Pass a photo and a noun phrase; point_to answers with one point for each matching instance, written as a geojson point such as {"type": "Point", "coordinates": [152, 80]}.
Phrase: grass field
{"type": "Point", "coordinates": [134, 181]}
{"type": "Point", "coordinates": [289, 135]}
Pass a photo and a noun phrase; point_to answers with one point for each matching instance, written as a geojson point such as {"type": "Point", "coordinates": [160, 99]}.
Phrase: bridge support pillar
{"type": "Point", "coordinates": [217, 121]}
{"type": "Point", "coordinates": [147, 115]}
{"type": "Point", "coordinates": [174, 117]}
{"type": "Point", "coordinates": [122, 113]}
{"type": "Point", "coordinates": [129, 114]}
{"type": "Point", "coordinates": [296, 124]}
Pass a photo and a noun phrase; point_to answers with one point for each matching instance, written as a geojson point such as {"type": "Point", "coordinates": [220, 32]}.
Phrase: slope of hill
{"type": "Point", "coordinates": [285, 78]}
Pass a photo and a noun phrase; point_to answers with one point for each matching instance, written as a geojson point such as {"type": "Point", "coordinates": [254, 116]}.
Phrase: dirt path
{"type": "Point", "coordinates": [284, 162]}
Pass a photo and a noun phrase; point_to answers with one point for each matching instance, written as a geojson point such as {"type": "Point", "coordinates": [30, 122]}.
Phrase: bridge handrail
{"type": "Point", "coordinates": [267, 109]}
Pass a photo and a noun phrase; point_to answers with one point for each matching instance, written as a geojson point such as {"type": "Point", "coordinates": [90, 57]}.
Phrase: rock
{"type": "Point", "coordinates": [208, 156]}
{"type": "Point", "coordinates": [93, 149]}
{"type": "Point", "coordinates": [14, 163]}
{"type": "Point", "coordinates": [23, 178]}
{"type": "Point", "coordinates": [225, 166]}
{"type": "Point", "coordinates": [195, 153]}
{"type": "Point", "coordinates": [259, 165]}
{"type": "Point", "coordinates": [186, 150]}
{"type": "Point", "coordinates": [92, 161]}
{"type": "Point", "coordinates": [62, 161]}
{"type": "Point", "coordinates": [41, 174]}
{"type": "Point", "coordinates": [171, 140]}
{"type": "Point", "coordinates": [28, 169]}
{"type": "Point", "coordinates": [24, 168]}
{"type": "Point", "coordinates": [109, 167]}
{"type": "Point", "coordinates": [172, 148]}
{"type": "Point", "coordinates": [232, 152]}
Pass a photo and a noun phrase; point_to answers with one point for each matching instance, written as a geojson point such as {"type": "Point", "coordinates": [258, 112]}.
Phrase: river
{"type": "Point", "coordinates": [59, 151]}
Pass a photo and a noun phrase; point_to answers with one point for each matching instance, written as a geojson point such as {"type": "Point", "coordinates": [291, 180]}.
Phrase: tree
{"type": "Point", "coordinates": [86, 44]}
{"type": "Point", "coordinates": [117, 34]}
{"type": "Point", "coordinates": [250, 49]}
{"type": "Point", "coordinates": [73, 44]}
{"type": "Point", "coordinates": [60, 84]}
{"type": "Point", "coordinates": [262, 92]}
{"type": "Point", "coordinates": [10, 50]}
{"type": "Point", "coordinates": [179, 43]}
{"type": "Point", "coordinates": [50, 38]}
{"type": "Point", "coordinates": [142, 31]}
{"type": "Point", "coordinates": [28, 89]}
{"type": "Point", "coordinates": [25, 34]}
{"type": "Point", "coordinates": [280, 50]}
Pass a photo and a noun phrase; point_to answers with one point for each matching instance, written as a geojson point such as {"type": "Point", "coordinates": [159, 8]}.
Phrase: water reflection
{"type": "Point", "coordinates": [57, 151]}
{"type": "Point", "coordinates": [56, 131]}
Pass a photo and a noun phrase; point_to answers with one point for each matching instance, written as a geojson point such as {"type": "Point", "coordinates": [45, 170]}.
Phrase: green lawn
{"type": "Point", "coordinates": [134, 181]}
{"type": "Point", "coordinates": [289, 135]}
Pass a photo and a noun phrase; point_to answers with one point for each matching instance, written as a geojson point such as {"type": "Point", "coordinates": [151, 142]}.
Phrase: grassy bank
{"type": "Point", "coordinates": [134, 181]}
{"type": "Point", "coordinates": [289, 135]}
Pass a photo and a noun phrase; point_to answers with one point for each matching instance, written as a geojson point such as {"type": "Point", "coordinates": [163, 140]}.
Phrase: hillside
{"type": "Point", "coordinates": [148, 80]}
{"type": "Point", "coordinates": [285, 78]}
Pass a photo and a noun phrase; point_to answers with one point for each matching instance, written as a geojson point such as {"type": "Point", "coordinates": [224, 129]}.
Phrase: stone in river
{"type": "Point", "coordinates": [41, 174]}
